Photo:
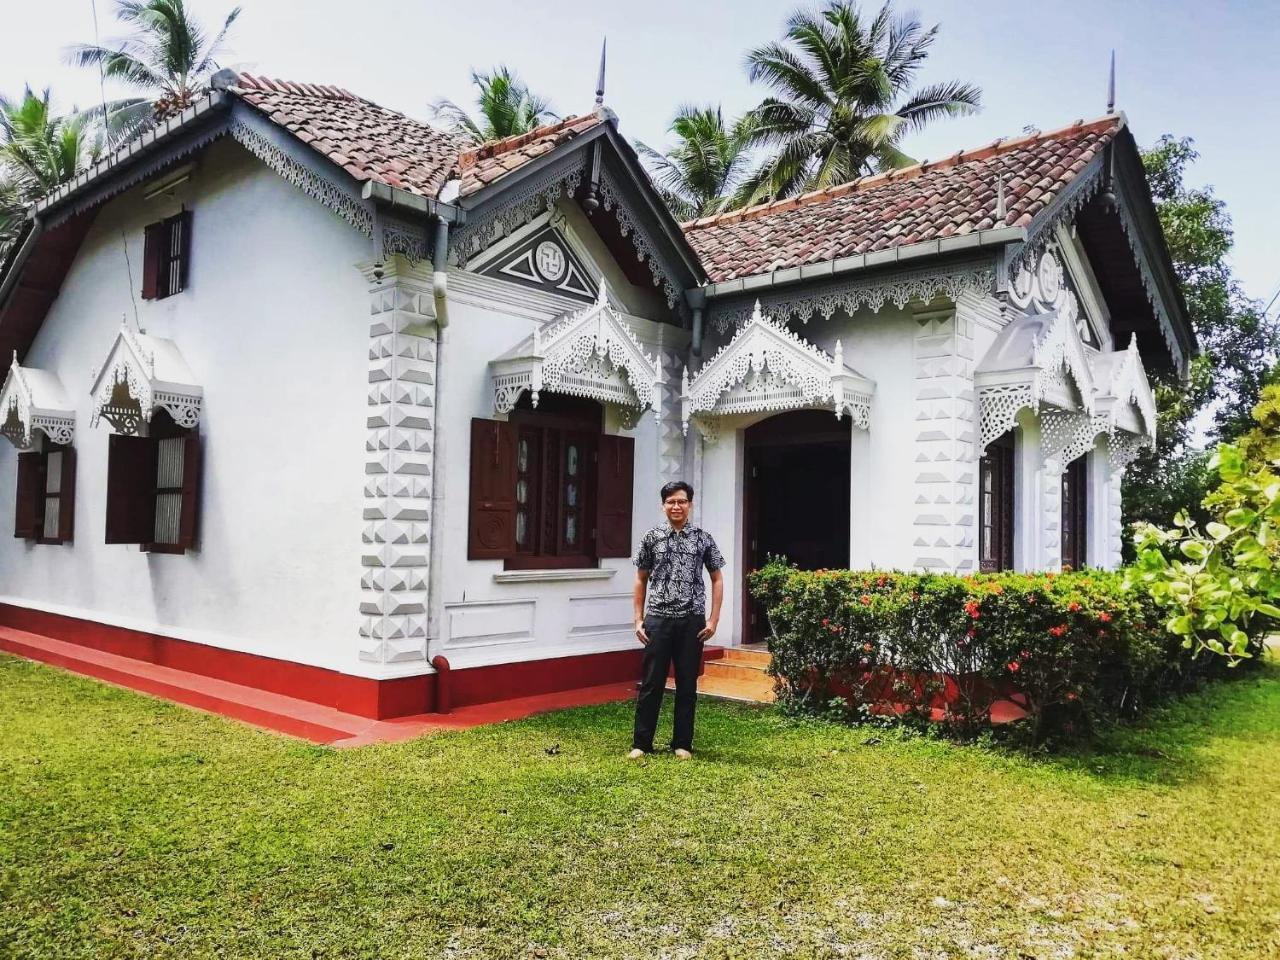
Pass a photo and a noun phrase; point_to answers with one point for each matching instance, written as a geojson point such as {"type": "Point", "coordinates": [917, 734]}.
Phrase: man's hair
{"type": "Point", "coordinates": [674, 486]}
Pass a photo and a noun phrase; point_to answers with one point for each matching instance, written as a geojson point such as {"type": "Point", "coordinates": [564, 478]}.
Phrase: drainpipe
{"type": "Point", "coordinates": [697, 299]}
{"type": "Point", "coordinates": [435, 613]}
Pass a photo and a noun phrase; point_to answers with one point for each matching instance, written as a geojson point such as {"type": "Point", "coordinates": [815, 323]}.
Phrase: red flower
{"type": "Point", "coordinates": [971, 608]}
{"type": "Point", "coordinates": [881, 581]}
{"type": "Point", "coordinates": [1104, 617]}
{"type": "Point", "coordinates": [1071, 695]}
{"type": "Point", "coordinates": [1014, 666]}
{"type": "Point", "coordinates": [971, 632]}
{"type": "Point", "coordinates": [866, 600]}
{"type": "Point", "coordinates": [826, 622]}
{"type": "Point", "coordinates": [1073, 606]}
{"type": "Point", "coordinates": [1058, 630]}
{"type": "Point", "coordinates": [867, 647]}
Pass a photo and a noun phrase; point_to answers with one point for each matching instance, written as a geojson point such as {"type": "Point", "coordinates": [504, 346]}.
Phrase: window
{"type": "Point", "coordinates": [153, 488]}
{"type": "Point", "coordinates": [548, 488]}
{"type": "Point", "coordinates": [46, 495]}
{"type": "Point", "coordinates": [995, 506]}
{"type": "Point", "coordinates": [1075, 503]}
{"type": "Point", "coordinates": [166, 256]}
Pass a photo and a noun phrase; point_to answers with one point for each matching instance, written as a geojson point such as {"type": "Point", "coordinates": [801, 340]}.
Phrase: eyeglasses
{"type": "Point", "coordinates": [675, 503]}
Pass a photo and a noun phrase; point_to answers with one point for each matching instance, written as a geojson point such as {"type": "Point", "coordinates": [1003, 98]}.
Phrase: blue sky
{"type": "Point", "coordinates": [1204, 69]}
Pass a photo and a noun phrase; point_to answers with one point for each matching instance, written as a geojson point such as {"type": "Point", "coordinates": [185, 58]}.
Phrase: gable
{"type": "Point", "coordinates": [545, 260]}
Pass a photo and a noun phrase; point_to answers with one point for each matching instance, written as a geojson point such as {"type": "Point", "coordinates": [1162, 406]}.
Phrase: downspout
{"type": "Point", "coordinates": [435, 613]}
{"type": "Point", "coordinates": [697, 299]}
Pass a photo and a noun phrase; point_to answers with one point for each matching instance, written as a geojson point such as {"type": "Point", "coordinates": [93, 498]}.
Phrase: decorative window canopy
{"type": "Point", "coordinates": [34, 400]}
{"type": "Point", "coordinates": [591, 353]}
{"type": "Point", "coordinates": [142, 373]}
{"type": "Point", "coordinates": [766, 367]}
{"type": "Point", "coordinates": [1037, 359]}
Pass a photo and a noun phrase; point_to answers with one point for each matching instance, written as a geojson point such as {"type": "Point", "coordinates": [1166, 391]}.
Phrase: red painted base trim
{"type": "Point", "coordinates": [361, 696]}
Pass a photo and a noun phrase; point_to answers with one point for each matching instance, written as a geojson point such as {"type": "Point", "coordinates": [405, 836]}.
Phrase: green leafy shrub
{"type": "Point", "coordinates": [1220, 587]}
{"type": "Point", "coordinates": [1070, 649]}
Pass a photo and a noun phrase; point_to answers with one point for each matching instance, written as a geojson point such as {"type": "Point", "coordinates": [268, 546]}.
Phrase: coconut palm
{"type": "Point", "coordinates": [38, 151]}
{"type": "Point", "coordinates": [842, 98]}
{"type": "Point", "coordinates": [701, 174]}
{"type": "Point", "coordinates": [506, 104]}
{"type": "Point", "coordinates": [168, 59]}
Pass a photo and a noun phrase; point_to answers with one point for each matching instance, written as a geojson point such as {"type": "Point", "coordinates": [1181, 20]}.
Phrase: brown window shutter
{"type": "Point", "coordinates": [131, 484]}
{"type": "Point", "coordinates": [189, 522]}
{"type": "Point", "coordinates": [28, 512]}
{"type": "Point", "coordinates": [491, 533]}
{"type": "Point", "coordinates": [182, 223]}
{"type": "Point", "coordinates": [615, 473]}
{"type": "Point", "coordinates": [67, 496]}
{"type": "Point", "coordinates": [154, 239]}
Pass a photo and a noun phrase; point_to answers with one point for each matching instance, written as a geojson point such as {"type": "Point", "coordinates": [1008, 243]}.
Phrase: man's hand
{"type": "Point", "coordinates": [640, 634]}
{"type": "Point", "coordinates": [709, 631]}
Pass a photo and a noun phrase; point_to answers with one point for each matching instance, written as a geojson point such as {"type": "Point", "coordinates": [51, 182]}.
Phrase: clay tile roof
{"type": "Point", "coordinates": [368, 141]}
{"type": "Point", "coordinates": [482, 165]}
{"type": "Point", "coordinates": [949, 197]}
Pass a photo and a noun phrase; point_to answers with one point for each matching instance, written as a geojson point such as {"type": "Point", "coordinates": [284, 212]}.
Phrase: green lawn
{"type": "Point", "coordinates": [130, 828]}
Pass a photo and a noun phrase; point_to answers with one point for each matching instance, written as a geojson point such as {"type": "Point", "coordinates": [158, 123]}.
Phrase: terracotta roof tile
{"type": "Point", "coordinates": [950, 197]}
{"type": "Point", "coordinates": [368, 141]}
{"type": "Point", "coordinates": [482, 165]}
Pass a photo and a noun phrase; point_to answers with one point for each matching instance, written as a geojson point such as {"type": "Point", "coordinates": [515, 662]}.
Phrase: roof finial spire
{"type": "Point", "coordinates": [1001, 213]}
{"type": "Point", "coordinates": [1111, 85]}
{"type": "Point", "coordinates": [604, 43]}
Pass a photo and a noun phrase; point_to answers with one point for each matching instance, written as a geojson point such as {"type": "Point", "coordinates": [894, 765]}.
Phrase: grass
{"type": "Point", "coordinates": [130, 827]}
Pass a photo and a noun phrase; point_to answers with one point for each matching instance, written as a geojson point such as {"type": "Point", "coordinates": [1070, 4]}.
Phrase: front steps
{"type": "Point", "coordinates": [738, 674]}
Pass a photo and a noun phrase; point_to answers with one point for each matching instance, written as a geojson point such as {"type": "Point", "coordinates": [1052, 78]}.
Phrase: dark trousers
{"type": "Point", "coordinates": [671, 639]}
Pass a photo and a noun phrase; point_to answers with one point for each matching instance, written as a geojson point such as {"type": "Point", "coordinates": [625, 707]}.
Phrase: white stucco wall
{"type": "Point", "coordinates": [273, 325]}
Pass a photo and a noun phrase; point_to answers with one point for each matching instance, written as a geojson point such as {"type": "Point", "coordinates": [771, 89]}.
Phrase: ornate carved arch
{"type": "Point", "coordinates": [767, 368]}
{"type": "Point", "coordinates": [142, 373]}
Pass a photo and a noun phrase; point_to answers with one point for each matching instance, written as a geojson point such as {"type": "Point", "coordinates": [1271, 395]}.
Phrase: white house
{"type": "Point", "coordinates": [311, 396]}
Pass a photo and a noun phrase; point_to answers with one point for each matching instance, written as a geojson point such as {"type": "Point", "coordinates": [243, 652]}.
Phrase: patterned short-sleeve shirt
{"type": "Point", "coordinates": [675, 560]}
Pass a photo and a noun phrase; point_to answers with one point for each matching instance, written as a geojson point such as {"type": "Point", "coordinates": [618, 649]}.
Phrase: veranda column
{"type": "Point", "coordinates": [1051, 510]}
{"type": "Point", "coordinates": [397, 491]}
{"type": "Point", "coordinates": [945, 468]}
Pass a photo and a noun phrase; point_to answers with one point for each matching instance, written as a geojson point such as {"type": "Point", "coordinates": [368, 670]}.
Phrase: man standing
{"type": "Point", "coordinates": [671, 624]}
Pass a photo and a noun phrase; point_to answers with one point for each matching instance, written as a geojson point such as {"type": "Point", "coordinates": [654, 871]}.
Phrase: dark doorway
{"type": "Point", "coordinates": [797, 497]}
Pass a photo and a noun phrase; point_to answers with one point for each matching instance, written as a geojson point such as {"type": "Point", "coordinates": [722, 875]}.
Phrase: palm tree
{"type": "Point", "coordinates": [839, 109]}
{"type": "Point", "coordinates": [169, 59]}
{"type": "Point", "coordinates": [38, 151]}
{"type": "Point", "coordinates": [700, 175]}
{"type": "Point", "coordinates": [507, 108]}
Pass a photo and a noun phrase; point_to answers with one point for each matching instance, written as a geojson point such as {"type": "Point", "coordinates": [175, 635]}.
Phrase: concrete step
{"type": "Point", "coordinates": [746, 691]}
{"type": "Point", "coordinates": [735, 670]}
{"type": "Point", "coordinates": [759, 656]}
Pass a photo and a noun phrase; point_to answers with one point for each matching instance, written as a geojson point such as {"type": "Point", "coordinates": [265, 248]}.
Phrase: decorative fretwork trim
{"type": "Point", "coordinates": [1066, 435]}
{"type": "Point", "coordinates": [401, 238]}
{"type": "Point", "coordinates": [132, 384]}
{"type": "Point", "coordinates": [591, 353]}
{"type": "Point", "coordinates": [514, 210]}
{"type": "Point", "coordinates": [825, 298]}
{"type": "Point", "coordinates": [767, 368]}
{"type": "Point", "coordinates": [998, 409]}
{"type": "Point", "coordinates": [1063, 209]}
{"type": "Point", "coordinates": [646, 249]}
{"type": "Point", "coordinates": [26, 407]}
{"type": "Point", "coordinates": [1133, 235]}
{"type": "Point", "coordinates": [302, 175]}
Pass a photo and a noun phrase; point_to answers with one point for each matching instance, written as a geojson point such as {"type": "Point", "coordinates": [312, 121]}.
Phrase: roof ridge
{"type": "Point", "coordinates": [492, 148]}
{"type": "Point", "coordinates": [997, 147]}
{"type": "Point", "coordinates": [247, 82]}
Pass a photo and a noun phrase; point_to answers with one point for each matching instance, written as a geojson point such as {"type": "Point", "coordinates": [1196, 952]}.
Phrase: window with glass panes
{"type": "Point", "coordinates": [995, 506]}
{"type": "Point", "coordinates": [1075, 503]}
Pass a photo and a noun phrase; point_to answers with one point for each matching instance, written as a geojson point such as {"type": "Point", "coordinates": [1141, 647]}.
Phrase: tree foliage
{"type": "Point", "coordinates": [169, 59]}
{"type": "Point", "coordinates": [843, 98]}
{"type": "Point", "coordinates": [701, 173]}
{"type": "Point", "coordinates": [1238, 345]}
{"type": "Point", "coordinates": [507, 108]}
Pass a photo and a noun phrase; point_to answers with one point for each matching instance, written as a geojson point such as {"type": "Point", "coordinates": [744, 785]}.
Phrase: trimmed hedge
{"type": "Point", "coordinates": [1072, 649]}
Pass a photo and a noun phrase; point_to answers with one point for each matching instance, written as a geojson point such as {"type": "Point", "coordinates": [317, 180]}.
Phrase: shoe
{"type": "Point", "coordinates": [682, 754]}
{"type": "Point", "coordinates": [636, 754]}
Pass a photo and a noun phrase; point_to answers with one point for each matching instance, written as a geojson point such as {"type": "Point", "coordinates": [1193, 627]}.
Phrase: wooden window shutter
{"type": "Point", "coordinates": [491, 529]}
{"type": "Point", "coordinates": [615, 473]}
{"type": "Point", "coordinates": [28, 512]}
{"type": "Point", "coordinates": [67, 496]}
{"type": "Point", "coordinates": [131, 483]}
{"type": "Point", "coordinates": [154, 245]}
{"type": "Point", "coordinates": [189, 522]}
{"type": "Point", "coordinates": [182, 223]}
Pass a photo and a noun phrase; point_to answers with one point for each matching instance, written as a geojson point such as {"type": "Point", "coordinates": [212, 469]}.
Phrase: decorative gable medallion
{"type": "Point", "coordinates": [142, 373]}
{"type": "Point", "coordinates": [545, 261]}
{"type": "Point", "coordinates": [32, 400]}
{"type": "Point", "coordinates": [767, 368]}
{"type": "Point", "coordinates": [1048, 288]}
